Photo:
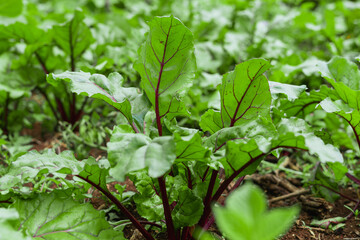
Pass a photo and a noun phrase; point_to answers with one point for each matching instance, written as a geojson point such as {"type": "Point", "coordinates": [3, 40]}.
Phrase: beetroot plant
{"type": "Point", "coordinates": [179, 173]}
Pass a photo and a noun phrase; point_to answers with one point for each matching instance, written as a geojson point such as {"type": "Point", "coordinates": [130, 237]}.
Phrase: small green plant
{"type": "Point", "coordinates": [245, 216]}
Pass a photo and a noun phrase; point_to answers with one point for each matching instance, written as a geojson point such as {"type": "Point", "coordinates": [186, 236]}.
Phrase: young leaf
{"type": "Point", "coordinates": [58, 216]}
{"type": "Point", "coordinates": [74, 37]}
{"type": "Point", "coordinates": [245, 93]}
{"type": "Point", "coordinates": [245, 217]}
{"type": "Point", "coordinates": [167, 64]}
{"type": "Point", "coordinates": [211, 121]}
{"type": "Point", "coordinates": [147, 200]}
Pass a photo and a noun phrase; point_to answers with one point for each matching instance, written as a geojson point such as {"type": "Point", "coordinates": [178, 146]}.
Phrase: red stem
{"type": "Point", "coordinates": [207, 199]}
{"type": "Point", "coordinates": [167, 210]}
{"type": "Point", "coordinates": [123, 209]}
{"type": "Point", "coordinates": [353, 178]}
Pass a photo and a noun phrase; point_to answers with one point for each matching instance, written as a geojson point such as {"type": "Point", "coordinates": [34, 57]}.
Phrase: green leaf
{"type": "Point", "coordinates": [109, 89]}
{"type": "Point", "coordinates": [305, 137]}
{"type": "Point", "coordinates": [211, 121]}
{"type": "Point", "coordinates": [251, 141]}
{"type": "Point", "coordinates": [189, 148]}
{"type": "Point", "coordinates": [344, 76]}
{"type": "Point", "coordinates": [11, 8]}
{"type": "Point", "coordinates": [74, 37]}
{"type": "Point", "coordinates": [245, 93]}
{"type": "Point", "coordinates": [166, 65]}
{"type": "Point", "coordinates": [188, 209]}
{"type": "Point", "coordinates": [129, 152]}
{"type": "Point", "coordinates": [291, 91]}
{"type": "Point", "coordinates": [8, 220]}
{"type": "Point", "coordinates": [29, 33]}
{"type": "Point", "coordinates": [306, 103]}
{"type": "Point", "coordinates": [96, 171]}
{"type": "Point", "coordinates": [148, 202]}
{"type": "Point", "coordinates": [33, 164]}
{"type": "Point", "coordinates": [245, 217]}
{"type": "Point", "coordinates": [16, 86]}
{"type": "Point", "coordinates": [58, 216]}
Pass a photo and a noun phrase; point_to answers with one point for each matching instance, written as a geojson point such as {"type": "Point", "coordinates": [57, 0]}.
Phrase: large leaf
{"type": "Point", "coordinates": [11, 8]}
{"type": "Point", "coordinates": [74, 37]}
{"type": "Point", "coordinates": [249, 142]}
{"type": "Point", "coordinates": [108, 89]}
{"type": "Point", "coordinates": [245, 93]}
{"type": "Point", "coordinates": [129, 152]}
{"type": "Point", "coordinates": [33, 164]}
{"type": "Point", "coordinates": [245, 216]}
{"type": "Point", "coordinates": [58, 216]}
{"type": "Point", "coordinates": [167, 64]}
{"type": "Point", "coordinates": [8, 228]}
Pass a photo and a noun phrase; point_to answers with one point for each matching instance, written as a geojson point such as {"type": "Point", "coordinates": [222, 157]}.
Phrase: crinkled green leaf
{"type": "Point", "coordinates": [27, 167]}
{"type": "Point", "coordinates": [109, 89]}
{"type": "Point", "coordinates": [167, 64]}
{"type": "Point", "coordinates": [148, 202]}
{"type": "Point", "coordinates": [96, 171]}
{"type": "Point", "coordinates": [129, 152]}
{"type": "Point", "coordinates": [188, 209]}
{"type": "Point", "coordinates": [245, 93]}
{"type": "Point", "coordinates": [74, 37]}
{"type": "Point", "coordinates": [11, 8]}
{"type": "Point", "coordinates": [291, 91]}
{"type": "Point", "coordinates": [189, 148]}
{"type": "Point", "coordinates": [306, 103]}
{"type": "Point", "coordinates": [253, 140]}
{"type": "Point", "coordinates": [211, 121]}
{"type": "Point", "coordinates": [305, 136]}
{"type": "Point", "coordinates": [58, 216]}
{"type": "Point", "coordinates": [245, 217]}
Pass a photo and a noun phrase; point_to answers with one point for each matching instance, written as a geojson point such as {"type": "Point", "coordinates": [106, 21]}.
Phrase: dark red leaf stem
{"type": "Point", "coordinates": [353, 178]}
{"type": "Point", "coordinates": [167, 211]}
{"type": "Point", "coordinates": [208, 197]}
{"type": "Point", "coordinates": [123, 209]}
{"type": "Point", "coordinates": [165, 201]}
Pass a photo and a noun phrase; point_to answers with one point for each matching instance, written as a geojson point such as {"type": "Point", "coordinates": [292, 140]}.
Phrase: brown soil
{"type": "Point", "coordinates": [275, 185]}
